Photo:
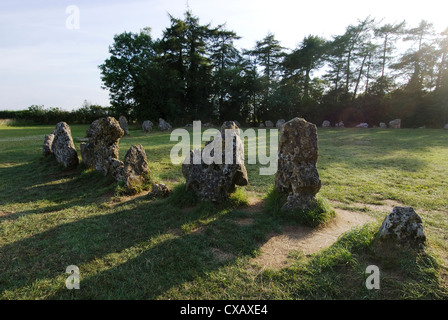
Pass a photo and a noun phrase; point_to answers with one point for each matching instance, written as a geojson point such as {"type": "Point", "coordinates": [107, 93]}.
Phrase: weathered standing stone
{"type": "Point", "coordinates": [135, 169]}
{"type": "Point", "coordinates": [446, 126]}
{"type": "Point", "coordinates": [163, 125]}
{"type": "Point", "coordinates": [383, 125]}
{"type": "Point", "coordinates": [124, 124]}
{"type": "Point", "coordinates": [147, 126]}
{"type": "Point", "coordinates": [48, 141]}
{"type": "Point", "coordinates": [340, 124]}
{"type": "Point", "coordinates": [404, 227]}
{"type": "Point", "coordinates": [237, 123]}
{"type": "Point", "coordinates": [326, 124]}
{"type": "Point", "coordinates": [63, 147]}
{"type": "Point", "coordinates": [297, 174]}
{"type": "Point", "coordinates": [395, 124]}
{"type": "Point", "coordinates": [215, 181]}
{"type": "Point", "coordinates": [101, 152]}
{"type": "Point", "coordinates": [269, 124]}
{"type": "Point", "coordinates": [261, 125]}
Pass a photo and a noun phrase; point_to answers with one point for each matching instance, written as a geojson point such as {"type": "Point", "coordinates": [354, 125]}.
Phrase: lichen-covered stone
{"type": "Point", "coordinates": [404, 227]}
{"type": "Point", "coordinates": [215, 181]}
{"type": "Point", "coordinates": [101, 152]}
{"type": "Point", "coordinates": [269, 124]}
{"type": "Point", "coordinates": [279, 123]}
{"type": "Point", "coordinates": [63, 147]}
{"type": "Point", "coordinates": [297, 175]}
{"type": "Point", "coordinates": [159, 190]}
{"type": "Point", "coordinates": [326, 124]}
{"type": "Point", "coordinates": [135, 168]}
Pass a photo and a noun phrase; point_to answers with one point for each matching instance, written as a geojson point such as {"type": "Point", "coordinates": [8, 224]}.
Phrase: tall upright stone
{"type": "Point", "coordinates": [63, 147]}
{"type": "Point", "coordinates": [297, 175]}
{"type": "Point", "coordinates": [124, 125]}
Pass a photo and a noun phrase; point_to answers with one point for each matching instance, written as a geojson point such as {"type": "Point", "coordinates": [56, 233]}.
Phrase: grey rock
{"type": "Point", "coordinates": [279, 123]}
{"type": "Point", "coordinates": [326, 124]}
{"type": "Point", "coordinates": [237, 123]}
{"type": "Point", "coordinates": [261, 125]}
{"type": "Point", "coordinates": [159, 190]}
{"type": "Point", "coordinates": [395, 124]}
{"type": "Point", "coordinates": [383, 125]}
{"type": "Point", "coordinates": [135, 170]}
{"type": "Point", "coordinates": [63, 147]}
{"type": "Point", "coordinates": [163, 125]}
{"type": "Point", "coordinates": [269, 124]}
{"type": "Point", "coordinates": [124, 124]}
{"type": "Point", "coordinates": [403, 226]}
{"type": "Point", "coordinates": [446, 127]}
{"type": "Point", "coordinates": [147, 126]}
{"type": "Point", "coordinates": [297, 174]}
{"type": "Point", "coordinates": [214, 182]}
{"type": "Point", "coordinates": [48, 141]}
{"type": "Point", "coordinates": [362, 125]}
{"type": "Point", "coordinates": [101, 152]}
{"type": "Point", "coordinates": [340, 124]}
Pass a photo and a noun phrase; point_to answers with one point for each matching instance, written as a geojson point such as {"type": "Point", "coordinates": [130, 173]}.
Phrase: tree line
{"type": "Point", "coordinates": [194, 71]}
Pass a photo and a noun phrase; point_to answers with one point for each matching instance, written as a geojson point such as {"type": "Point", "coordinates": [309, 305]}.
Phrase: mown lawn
{"type": "Point", "coordinates": [178, 248]}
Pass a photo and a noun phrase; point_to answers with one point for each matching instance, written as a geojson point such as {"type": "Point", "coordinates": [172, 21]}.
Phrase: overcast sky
{"type": "Point", "coordinates": [44, 61]}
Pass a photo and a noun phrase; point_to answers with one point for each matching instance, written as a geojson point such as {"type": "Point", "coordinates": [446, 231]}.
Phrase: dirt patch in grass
{"type": "Point", "coordinates": [220, 255]}
{"type": "Point", "coordinates": [255, 205]}
{"type": "Point", "coordinates": [274, 253]}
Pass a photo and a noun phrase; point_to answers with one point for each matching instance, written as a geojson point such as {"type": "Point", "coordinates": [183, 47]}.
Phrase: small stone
{"type": "Point", "coordinates": [362, 125]}
{"type": "Point", "coordinates": [395, 124]}
{"type": "Point", "coordinates": [403, 226]}
{"type": "Point", "coordinates": [383, 125]}
{"type": "Point", "coordinates": [48, 141]}
{"type": "Point", "coordinates": [147, 126]}
{"type": "Point", "coordinates": [326, 124]}
{"type": "Point", "coordinates": [124, 124]}
{"type": "Point", "coordinates": [163, 125]}
{"type": "Point", "coordinates": [269, 124]}
{"type": "Point", "coordinates": [159, 190]}
{"type": "Point", "coordinates": [280, 122]}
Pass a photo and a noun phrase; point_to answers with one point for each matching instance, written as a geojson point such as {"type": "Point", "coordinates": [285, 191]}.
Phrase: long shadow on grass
{"type": "Point", "coordinates": [164, 256]}
{"type": "Point", "coordinates": [44, 180]}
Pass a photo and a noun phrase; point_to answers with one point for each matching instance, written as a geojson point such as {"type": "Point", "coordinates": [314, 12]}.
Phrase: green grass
{"type": "Point", "coordinates": [134, 247]}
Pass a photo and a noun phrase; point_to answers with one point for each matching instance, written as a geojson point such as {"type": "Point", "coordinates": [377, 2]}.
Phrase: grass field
{"type": "Point", "coordinates": [178, 248]}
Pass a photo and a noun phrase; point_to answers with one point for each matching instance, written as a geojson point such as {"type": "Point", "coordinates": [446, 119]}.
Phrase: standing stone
{"type": "Point", "coordinates": [326, 124]}
{"type": "Point", "coordinates": [48, 141]}
{"type": "Point", "coordinates": [403, 226]}
{"type": "Point", "coordinates": [261, 125]}
{"type": "Point", "coordinates": [362, 125]}
{"type": "Point", "coordinates": [297, 174]}
{"type": "Point", "coordinates": [340, 124]}
{"type": "Point", "coordinates": [237, 123]}
{"type": "Point", "coordinates": [147, 126]}
{"type": "Point", "coordinates": [63, 147]}
{"type": "Point", "coordinates": [383, 125]}
{"type": "Point", "coordinates": [446, 126]}
{"type": "Point", "coordinates": [280, 123]}
{"type": "Point", "coordinates": [101, 152]}
{"type": "Point", "coordinates": [269, 124]}
{"type": "Point", "coordinates": [215, 181]}
{"type": "Point", "coordinates": [163, 125]}
{"type": "Point", "coordinates": [395, 124]}
{"type": "Point", "coordinates": [135, 169]}
{"type": "Point", "coordinates": [124, 124]}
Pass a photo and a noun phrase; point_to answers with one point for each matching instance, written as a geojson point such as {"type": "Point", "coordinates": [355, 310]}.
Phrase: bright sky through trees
{"type": "Point", "coordinates": [44, 62]}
